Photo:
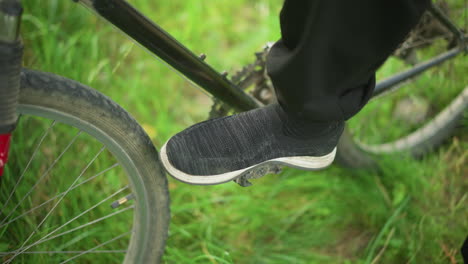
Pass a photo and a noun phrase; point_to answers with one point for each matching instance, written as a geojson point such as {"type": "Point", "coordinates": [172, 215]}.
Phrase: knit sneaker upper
{"type": "Point", "coordinates": [237, 142]}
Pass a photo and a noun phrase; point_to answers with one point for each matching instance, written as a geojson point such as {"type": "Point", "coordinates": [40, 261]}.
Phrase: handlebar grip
{"type": "Point", "coordinates": [10, 69]}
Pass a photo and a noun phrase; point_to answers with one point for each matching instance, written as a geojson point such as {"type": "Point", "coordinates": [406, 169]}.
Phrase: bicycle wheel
{"type": "Point", "coordinates": [88, 187]}
{"type": "Point", "coordinates": [414, 120]}
{"type": "Point", "coordinates": [422, 113]}
{"type": "Point", "coordinates": [354, 153]}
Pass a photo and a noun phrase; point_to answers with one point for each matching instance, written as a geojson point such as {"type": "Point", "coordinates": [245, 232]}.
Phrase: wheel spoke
{"type": "Point", "coordinates": [58, 195]}
{"type": "Point", "coordinates": [43, 175]}
{"type": "Point", "coordinates": [47, 237]}
{"type": "Point", "coordinates": [38, 145]}
{"type": "Point", "coordinates": [83, 225]}
{"type": "Point", "coordinates": [96, 247]}
{"type": "Point", "coordinates": [85, 212]}
{"type": "Point", "coordinates": [60, 199]}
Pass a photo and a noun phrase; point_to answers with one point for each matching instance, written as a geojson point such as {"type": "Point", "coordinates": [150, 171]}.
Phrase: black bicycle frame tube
{"type": "Point", "coordinates": [156, 40]}
{"type": "Point", "coordinates": [439, 15]}
{"type": "Point", "coordinates": [393, 81]}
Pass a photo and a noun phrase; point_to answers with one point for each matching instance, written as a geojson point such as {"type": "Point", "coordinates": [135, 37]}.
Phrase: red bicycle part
{"type": "Point", "coordinates": [4, 147]}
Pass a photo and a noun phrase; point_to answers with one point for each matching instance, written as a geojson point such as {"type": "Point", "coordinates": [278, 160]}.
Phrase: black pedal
{"type": "Point", "coordinates": [257, 173]}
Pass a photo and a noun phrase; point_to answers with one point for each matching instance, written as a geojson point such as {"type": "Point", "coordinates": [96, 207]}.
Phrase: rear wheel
{"type": "Point", "coordinates": [84, 184]}
{"type": "Point", "coordinates": [355, 152]}
{"type": "Point", "coordinates": [420, 115]}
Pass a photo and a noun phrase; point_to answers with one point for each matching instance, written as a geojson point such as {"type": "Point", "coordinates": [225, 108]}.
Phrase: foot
{"type": "Point", "coordinates": [223, 149]}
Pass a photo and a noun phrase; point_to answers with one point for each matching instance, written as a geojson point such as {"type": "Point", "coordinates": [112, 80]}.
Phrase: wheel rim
{"type": "Point", "coordinates": [415, 140]}
{"type": "Point", "coordinates": [414, 118]}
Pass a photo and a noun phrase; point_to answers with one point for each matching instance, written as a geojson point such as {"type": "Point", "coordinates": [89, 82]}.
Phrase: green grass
{"type": "Point", "coordinates": [408, 211]}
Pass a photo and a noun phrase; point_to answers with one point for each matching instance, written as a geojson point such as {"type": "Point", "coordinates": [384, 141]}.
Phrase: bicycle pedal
{"type": "Point", "coordinates": [256, 173]}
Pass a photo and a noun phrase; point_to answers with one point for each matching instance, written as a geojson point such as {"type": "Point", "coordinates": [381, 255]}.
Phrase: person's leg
{"type": "Point", "coordinates": [323, 67]}
{"type": "Point", "coordinates": [323, 71]}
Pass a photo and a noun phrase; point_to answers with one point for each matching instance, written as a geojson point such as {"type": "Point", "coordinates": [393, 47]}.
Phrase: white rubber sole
{"type": "Point", "coordinates": [300, 162]}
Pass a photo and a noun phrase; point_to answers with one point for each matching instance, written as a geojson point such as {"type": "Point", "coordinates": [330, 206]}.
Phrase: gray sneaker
{"type": "Point", "coordinates": [223, 149]}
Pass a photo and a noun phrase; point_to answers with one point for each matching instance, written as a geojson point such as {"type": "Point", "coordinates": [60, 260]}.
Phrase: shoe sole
{"type": "Point", "coordinates": [299, 162]}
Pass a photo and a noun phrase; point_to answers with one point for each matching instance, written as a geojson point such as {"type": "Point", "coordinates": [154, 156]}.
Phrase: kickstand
{"type": "Point", "coordinates": [256, 173]}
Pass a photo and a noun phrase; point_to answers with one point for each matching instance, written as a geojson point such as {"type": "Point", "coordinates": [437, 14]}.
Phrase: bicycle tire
{"type": "Point", "coordinates": [353, 154]}
{"type": "Point", "coordinates": [69, 102]}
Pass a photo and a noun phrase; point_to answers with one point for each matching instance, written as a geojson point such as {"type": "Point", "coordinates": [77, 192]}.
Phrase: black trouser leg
{"type": "Point", "coordinates": [323, 68]}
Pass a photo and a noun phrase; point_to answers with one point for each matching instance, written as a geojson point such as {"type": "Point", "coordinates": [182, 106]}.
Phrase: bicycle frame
{"type": "Point", "coordinates": [148, 34]}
